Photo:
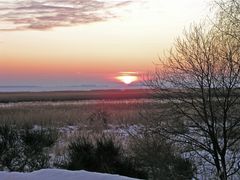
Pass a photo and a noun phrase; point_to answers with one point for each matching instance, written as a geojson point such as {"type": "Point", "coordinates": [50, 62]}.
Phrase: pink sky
{"type": "Point", "coordinates": [75, 41]}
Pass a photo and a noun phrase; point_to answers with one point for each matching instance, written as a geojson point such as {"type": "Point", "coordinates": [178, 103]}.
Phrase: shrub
{"type": "Point", "coordinates": [98, 119]}
{"type": "Point", "coordinates": [101, 155]}
{"type": "Point", "coordinates": [25, 149]}
{"type": "Point", "coordinates": [109, 154]}
{"type": "Point", "coordinates": [159, 158]}
{"type": "Point", "coordinates": [81, 155]}
{"type": "Point", "coordinates": [36, 144]}
{"type": "Point", "coordinates": [9, 148]}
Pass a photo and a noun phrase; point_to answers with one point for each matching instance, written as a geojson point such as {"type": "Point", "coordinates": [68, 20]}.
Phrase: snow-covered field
{"type": "Point", "coordinates": [58, 174]}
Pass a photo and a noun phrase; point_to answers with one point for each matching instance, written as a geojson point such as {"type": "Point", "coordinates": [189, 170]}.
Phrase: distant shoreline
{"type": "Point", "coordinates": [73, 95]}
{"type": "Point", "coordinates": [56, 88]}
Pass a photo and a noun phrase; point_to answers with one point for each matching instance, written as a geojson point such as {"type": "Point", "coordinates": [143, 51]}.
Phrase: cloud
{"type": "Point", "coordinates": [47, 14]}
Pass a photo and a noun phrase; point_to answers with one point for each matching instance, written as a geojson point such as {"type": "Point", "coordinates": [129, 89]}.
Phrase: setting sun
{"type": "Point", "coordinates": [127, 77]}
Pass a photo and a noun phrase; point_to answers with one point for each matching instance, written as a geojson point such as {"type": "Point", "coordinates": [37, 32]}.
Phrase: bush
{"type": "Point", "coordinates": [81, 155]}
{"type": "Point", "coordinates": [25, 149]}
{"type": "Point", "coordinates": [103, 155]}
{"type": "Point", "coordinates": [159, 158]}
{"type": "Point", "coordinates": [36, 144]}
{"type": "Point", "coordinates": [98, 119]}
{"type": "Point", "coordinates": [109, 155]}
{"type": "Point", "coordinates": [9, 148]}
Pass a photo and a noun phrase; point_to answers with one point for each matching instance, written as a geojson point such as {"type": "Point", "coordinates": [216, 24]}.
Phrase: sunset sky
{"type": "Point", "coordinates": [71, 42]}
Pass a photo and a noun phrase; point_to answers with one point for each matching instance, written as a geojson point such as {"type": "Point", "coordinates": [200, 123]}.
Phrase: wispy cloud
{"type": "Point", "coordinates": [47, 14]}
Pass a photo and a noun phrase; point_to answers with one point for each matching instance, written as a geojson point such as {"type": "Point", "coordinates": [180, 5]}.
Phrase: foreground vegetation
{"type": "Point", "coordinates": [30, 149]}
{"type": "Point", "coordinates": [25, 149]}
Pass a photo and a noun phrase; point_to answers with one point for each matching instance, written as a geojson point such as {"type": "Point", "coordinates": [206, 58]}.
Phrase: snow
{"type": "Point", "coordinates": [58, 174]}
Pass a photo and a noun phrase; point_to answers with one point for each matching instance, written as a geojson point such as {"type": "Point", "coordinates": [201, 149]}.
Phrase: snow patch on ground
{"type": "Point", "coordinates": [58, 174]}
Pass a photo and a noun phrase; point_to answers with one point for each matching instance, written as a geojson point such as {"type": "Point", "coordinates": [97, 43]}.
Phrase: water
{"type": "Point", "coordinates": [67, 88]}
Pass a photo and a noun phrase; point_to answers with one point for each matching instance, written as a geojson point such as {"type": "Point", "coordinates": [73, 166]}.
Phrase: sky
{"type": "Point", "coordinates": [72, 42]}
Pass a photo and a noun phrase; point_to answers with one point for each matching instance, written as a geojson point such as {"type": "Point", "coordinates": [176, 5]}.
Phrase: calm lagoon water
{"type": "Point", "coordinates": [67, 88]}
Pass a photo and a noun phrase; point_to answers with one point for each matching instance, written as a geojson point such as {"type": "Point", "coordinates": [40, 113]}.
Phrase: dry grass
{"type": "Point", "coordinates": [61, 114]}
{"type": "Point", "coordinates": [74, 95]}
{"type": "Point", "coordinates": [73, 118]}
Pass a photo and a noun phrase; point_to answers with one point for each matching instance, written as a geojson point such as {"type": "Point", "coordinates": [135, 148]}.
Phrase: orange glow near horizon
{"type": "Point", "coordinates": [73, 48]}
{"type": "Point", "coordinates": [127, 77]}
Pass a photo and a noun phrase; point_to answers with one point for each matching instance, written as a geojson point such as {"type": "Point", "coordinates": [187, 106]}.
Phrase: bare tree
{"type": "Point", "coordinates": [228, 18]}
{"type": "Point", "coordinates": [200, 78]}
